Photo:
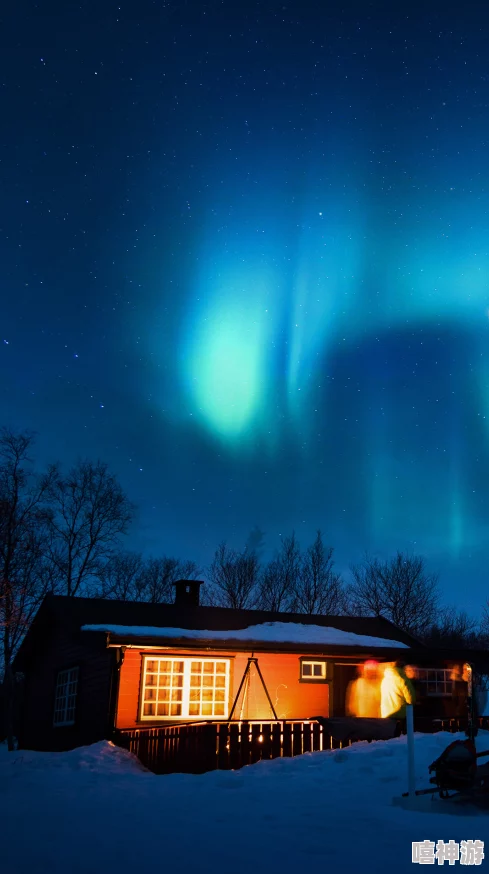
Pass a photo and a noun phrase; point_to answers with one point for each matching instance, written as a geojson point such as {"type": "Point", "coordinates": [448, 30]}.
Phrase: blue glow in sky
{"type": "Point", "coordinates": [228, 352]}
{"type": "Point", "coordinates": [247, 263]}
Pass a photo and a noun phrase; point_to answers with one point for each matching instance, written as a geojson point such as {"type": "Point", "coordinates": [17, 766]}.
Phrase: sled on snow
{"type": "Point", "coordinates": [456, 773]}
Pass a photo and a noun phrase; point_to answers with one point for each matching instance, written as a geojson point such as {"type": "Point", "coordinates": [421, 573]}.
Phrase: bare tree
{"type": "Point", "coordinates": [122, 577]}
{"type": "Point", "coordinates": [91, 513]}
{"type": "Point", "coordinates": [25, 577]}
{"type": "Point", "coordinates": [279, 579]}
{"type": "Point", "coordinates": [484, 626]}
{"type": "Point", "coordinates": [159, 575]}
{"type": "Point", "coordinates": [400, 589]}
{"type": "Point", "coordinates": [234, 578]}
{"type": "Point", "coordinates": [128, 576]}
{"type": "Point", "coordinates": [319, 589]}
{"type": "Point", "coordinates": [453, 627]}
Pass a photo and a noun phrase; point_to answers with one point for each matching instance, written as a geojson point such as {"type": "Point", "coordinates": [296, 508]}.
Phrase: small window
{"type": "Point", "coordinates": [314, 672]}
{"type": "Point", "coordinates": [65, 697]}
{"type": "Point", "coordinates": [435, 682]}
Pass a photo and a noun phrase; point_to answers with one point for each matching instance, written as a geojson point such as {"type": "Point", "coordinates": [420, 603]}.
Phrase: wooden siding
{"type": "Point", "coordinates": [60, 651]}
{"type": "Point", "coordinates": [291, 698]}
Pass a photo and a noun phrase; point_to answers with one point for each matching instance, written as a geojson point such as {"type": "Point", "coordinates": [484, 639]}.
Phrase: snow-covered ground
{"type": "Point", "coordinates": [96, 810]}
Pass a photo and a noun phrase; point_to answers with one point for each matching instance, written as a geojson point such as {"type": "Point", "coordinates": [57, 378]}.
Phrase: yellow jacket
{"type": "Point", "coordinates": [395, 692]}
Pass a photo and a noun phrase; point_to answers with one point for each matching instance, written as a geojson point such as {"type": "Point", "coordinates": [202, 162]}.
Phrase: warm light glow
{"type": "Point", "coordinates": [363, 694]}
{"type": "Point", "coordinates": [190, 688]}
{"type": "Point", "coordinates": [260, 738]}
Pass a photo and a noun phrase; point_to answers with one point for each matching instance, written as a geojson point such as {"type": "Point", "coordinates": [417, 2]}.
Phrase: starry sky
{"type": "Point", "coordinates": [244, 254]}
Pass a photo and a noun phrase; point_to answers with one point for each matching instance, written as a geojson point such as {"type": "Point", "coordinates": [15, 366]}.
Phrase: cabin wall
{"type": "Point", "coordinates": [291, 698]}
{"type": "Point", "coordinates": [61, 650]}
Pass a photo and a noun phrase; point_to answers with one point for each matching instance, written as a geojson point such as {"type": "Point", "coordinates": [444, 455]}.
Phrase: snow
{"type": "Point", "coordinates": [267, 632]}
{"type": "Point", "coordinates": [96, 811]}
{"type": "Point", "coordinates": [483, 702]}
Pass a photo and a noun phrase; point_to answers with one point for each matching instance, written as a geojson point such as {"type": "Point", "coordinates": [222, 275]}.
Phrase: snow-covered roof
{"type": "Point", "coordinates": [266, 632]}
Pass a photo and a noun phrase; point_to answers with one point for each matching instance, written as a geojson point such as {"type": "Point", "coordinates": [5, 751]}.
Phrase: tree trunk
{"type": "Point", "coordinates": [8, 684]}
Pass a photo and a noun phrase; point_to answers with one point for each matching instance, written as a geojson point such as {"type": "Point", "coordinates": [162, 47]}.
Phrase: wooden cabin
{"type": "Point", "coordinates": [90, 668]}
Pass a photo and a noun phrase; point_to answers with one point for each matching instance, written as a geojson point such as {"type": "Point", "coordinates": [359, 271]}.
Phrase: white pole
{"type": "Point", "coordinates": [410, 749]}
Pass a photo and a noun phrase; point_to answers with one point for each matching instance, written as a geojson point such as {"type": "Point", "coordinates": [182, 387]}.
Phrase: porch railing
{"type": "Point", "coordinates": [199, 747]}
{"type": "Point", "coordinates": [195, 748]}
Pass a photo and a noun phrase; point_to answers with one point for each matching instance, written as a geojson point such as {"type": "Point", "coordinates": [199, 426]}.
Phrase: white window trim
{"type": "Point", "coordinates": [447, 682]}
{"type": "Point", "coordinates": [59, 723]}
{"type": "Point", "coordinates": [314, 677]}
{"type": "Point", "coordinates": [187, 660]}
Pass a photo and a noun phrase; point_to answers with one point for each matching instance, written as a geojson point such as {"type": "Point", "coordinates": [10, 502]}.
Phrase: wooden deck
{"type": "Point", "coordinates": [195, 748]}
{"type": "Point", "coordinates": [206, 746]}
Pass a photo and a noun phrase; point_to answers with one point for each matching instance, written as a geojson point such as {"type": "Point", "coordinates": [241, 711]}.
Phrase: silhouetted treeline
{"type": "Point", "coordinates": [63, 532]}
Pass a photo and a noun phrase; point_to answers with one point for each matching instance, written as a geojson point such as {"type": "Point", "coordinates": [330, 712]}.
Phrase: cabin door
{"type": "Point", "coordinates": [342, 677]}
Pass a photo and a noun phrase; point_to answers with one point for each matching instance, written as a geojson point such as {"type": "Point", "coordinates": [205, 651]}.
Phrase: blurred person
{"type": "Point", "coordinates": [457, 705]}
{"type": "Point", "coordinates": [363, 694]}
{"type": "Point", "coordinates": [396, 690]}
{"type": "Point", "coordinates": [412, 674]}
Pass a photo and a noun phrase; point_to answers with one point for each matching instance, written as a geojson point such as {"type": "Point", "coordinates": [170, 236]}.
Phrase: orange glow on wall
{"type": "Point", "coordinates": [291, 698]}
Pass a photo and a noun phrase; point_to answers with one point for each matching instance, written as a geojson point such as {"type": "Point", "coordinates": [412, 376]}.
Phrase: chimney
{"type": "Point", "coordinates": [187, 592]}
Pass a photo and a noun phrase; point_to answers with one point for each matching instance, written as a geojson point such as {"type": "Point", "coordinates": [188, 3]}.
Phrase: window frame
{"type": "Point", "coordinates": [423, 682]}
{"type": "Point", "coordinates": [75, 669]}
{"type": "Point", "coordinates": [326, 663]}
{"type": "Point", "coordinates": [187, 660]}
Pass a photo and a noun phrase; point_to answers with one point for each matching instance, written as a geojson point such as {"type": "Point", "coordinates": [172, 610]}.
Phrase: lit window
{"type": "Point", "coordinates": [435, 682]}
{"type": "Point", "coordinates": [185, 688]}
{"type": "Point", "coordinates": [313, 671]}
{"type": "Point", "coordinates": [65, 697]}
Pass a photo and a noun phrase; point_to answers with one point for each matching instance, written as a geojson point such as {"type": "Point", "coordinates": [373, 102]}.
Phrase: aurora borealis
{"type": "Point", "coordinates": [245, 260]}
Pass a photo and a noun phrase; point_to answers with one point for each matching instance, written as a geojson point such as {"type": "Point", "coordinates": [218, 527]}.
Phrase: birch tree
{"type": "Point", "coordinates": [91, 513]}
{"type": "Point", "coordinates": [279, 579]}
{"type": "Point", "coordinates": [319, 588]}
{"type": "Point", "coordinates": [401, 589]}
{"type": "Point", "coordinates": [234, 578]}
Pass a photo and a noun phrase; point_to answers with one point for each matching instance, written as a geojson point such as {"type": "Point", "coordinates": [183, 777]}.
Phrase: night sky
{"type": "Point", "coordinates": [244, 255]}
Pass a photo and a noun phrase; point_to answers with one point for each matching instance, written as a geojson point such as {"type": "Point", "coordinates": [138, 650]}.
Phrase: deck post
{"type": "Point", "coordinates": [410, 750]}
